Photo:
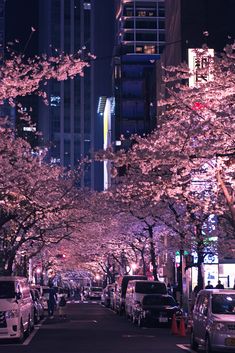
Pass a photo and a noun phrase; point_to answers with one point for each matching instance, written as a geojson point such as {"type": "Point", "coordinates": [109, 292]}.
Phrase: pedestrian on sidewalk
{"type": "Point", "coordinates": [219, 285]}
{"type": "Point", "coordinates": [51, 302]}
{"type": "Point", "coordinates": [62, 305]}
{"type": "Point", "coordinates": [209, 285]}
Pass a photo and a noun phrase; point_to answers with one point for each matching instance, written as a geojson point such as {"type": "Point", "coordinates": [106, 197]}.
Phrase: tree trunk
{"type": "Point", "coordinates": [6, 263]}
{"type": "Point", "coordinates": [152, 254]}
{"type": "Point", "coordinates": [229, 198]}
{"type": "Point", "coordinates": [200, 280]}
{"type": "Point", "coordinates": [10, 262]}
{"type": "Point", "coordinates": [144, 263]}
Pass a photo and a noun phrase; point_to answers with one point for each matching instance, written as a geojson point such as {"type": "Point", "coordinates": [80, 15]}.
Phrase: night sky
{"type": "Point", "coordinates": [21, 15]}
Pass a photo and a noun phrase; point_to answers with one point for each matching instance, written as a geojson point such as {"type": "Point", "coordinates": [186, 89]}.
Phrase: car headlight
{"type": "Point", "coordinates": [218, 326]}
{"type": "Point", "coordinates": [10, 314]}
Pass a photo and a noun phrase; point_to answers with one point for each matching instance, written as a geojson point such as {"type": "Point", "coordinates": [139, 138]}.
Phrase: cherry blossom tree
{"type": "Point", "coordinates": [189, 157]}
{"type": "Point", "coordinates": [39, 203]}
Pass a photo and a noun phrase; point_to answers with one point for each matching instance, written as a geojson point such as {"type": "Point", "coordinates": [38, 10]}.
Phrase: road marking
{"type": "Point", "coordinates": [95, 321]}
{"type": "Point", "coordinates": [185, 347]}
{"type": "Point", "coordinates": [134, 336]}
{"type": "Point", "coordinates": [31, 336]}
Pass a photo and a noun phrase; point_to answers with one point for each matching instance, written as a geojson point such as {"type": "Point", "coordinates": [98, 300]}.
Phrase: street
{"type": "Point", "coordinates": [91, 328]}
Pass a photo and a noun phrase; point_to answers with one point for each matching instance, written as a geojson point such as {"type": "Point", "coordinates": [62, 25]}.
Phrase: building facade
{"type": "Point", "coordinates": [140, 38]}
{"type": "Point", "coordinates": [69, 124]}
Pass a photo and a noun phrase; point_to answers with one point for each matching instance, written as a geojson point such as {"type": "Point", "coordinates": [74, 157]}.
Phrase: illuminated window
{"type": "Point", "coordinates": [141, 13]}
{"type": "Point", "coordinates": [129, 13]}
{"type": "Point", "coordinates": [149, 49]}
{"type": "Point", "coordinates": [55, 101]}
{"type": "Point", "coordinates": [139, 49]}
{"type": "Point", "coordinates": [87, 6]}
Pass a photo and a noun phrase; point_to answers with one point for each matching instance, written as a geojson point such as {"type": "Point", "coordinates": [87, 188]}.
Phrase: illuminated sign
{"type": "Point", "coordinates": [107, 140]}
{"type": "Point", "coordinates": [200, 65]}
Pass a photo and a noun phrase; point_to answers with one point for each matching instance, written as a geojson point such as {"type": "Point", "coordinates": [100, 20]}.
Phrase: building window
{"type": "Point", "coordinates": [161, 37]}
{"type": "Point", "coordinates": [149, 49]}
{"type": "Point", "coordinates": [55, 101]}
{"type": "Point", "coordinates": [141, 13]}
{"type": "Point", "coordinates": [87, 6]}
{"type": "Point", "coordinates": [139, 49]}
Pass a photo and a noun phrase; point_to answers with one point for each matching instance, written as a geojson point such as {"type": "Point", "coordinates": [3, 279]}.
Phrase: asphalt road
{"type": "Point", "coordinates": [91, 328]}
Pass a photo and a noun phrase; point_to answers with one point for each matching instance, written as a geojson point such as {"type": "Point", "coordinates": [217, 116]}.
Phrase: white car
{"type": "Point", "coordinates": [16, 308]}
{"type": "Point", "coordinates": [213, 323]}
{"type": "Point", "coordinates": [95, 293]}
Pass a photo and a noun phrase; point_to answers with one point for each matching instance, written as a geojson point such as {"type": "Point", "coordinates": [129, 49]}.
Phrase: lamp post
{"type": "Point", "coordinates": [133, 268]}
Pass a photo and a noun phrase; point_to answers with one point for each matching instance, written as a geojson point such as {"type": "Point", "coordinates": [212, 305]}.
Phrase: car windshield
{"type": "Point", "coordinates": [150, 287]}
{"type": "Point", "coordinates": [159, 300]}
{"type": "Point", "coordinates": [96, 289]}
{"type": "Point", "coordinates": [7, 290]}
{"type": "Point", "coordinates": [223, 304]}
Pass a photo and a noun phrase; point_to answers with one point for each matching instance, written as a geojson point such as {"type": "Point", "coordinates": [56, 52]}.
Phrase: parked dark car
{"type": "Point", "coordinates": [156, 309]}
{"type": "Point", "coordinates": [38, 305]}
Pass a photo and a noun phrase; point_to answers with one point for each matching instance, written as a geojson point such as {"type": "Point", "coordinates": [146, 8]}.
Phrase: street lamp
{"type": "Point", "coordinates": [133, 267]}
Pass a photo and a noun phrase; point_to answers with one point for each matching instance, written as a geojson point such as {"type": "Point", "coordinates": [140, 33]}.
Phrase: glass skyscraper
{"type": "Point", "coordinates": [69, 124]}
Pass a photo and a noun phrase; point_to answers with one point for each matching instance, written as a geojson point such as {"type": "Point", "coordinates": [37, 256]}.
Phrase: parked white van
{"type": "Point", "coordinates": [213, 323]}
{"type": "Point", "coordinates": [16, 308]}
{"type": "Point", "coordinates": [137, 289]}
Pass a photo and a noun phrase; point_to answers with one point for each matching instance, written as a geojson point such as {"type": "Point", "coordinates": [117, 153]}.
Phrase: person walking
{"type": "Point", "coordinates": [51, 302]}
{"type": "Point", "coordinates": [219, 285]}
{"type": "Point", "coordinates": [209, 285]}
{"type": "Point", "coordinates": [62, 305]}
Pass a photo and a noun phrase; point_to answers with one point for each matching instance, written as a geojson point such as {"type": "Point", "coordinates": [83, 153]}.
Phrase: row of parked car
{"type": "Point", "coordinates": [143, 301]}
{"type": "Point", "coordinates": [147, 302]}
{"type": "Point", "coordinates": [21, 306]}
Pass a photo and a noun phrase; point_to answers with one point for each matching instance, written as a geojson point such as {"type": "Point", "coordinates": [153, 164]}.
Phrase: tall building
{"type": "Point", "coordinates": [140, 38]}
{"type": "Point", "coordinates": [2, 28]}
{"type": "Point", "coordinates": [5, 109]}
{"type": "Point", "coordinates": [69, 124]}
{"type": "Point", "coordinates": [22, 40]}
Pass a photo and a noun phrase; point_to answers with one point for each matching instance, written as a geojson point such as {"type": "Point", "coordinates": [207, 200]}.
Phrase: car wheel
{"type": "Point", "coordinates": [193, 343]}
{"type": "Point", "coordinates": [28, 330]}
{"type": "Point", "coordinates": [208, 345]}
{"type": "Point", "coordinates": [21, 338]}
{"type": "Point", "coordinates": [32, 322]}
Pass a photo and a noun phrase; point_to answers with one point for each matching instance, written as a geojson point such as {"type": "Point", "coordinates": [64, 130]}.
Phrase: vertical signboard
{"type": "Point", "coordinates": [200, 65]}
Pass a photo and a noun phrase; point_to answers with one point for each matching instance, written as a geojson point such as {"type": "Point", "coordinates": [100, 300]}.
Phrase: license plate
{"type": "Point", "coordinates": [163, 319]}
{"type": "Point", "coordinates": [230, 341]}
